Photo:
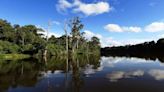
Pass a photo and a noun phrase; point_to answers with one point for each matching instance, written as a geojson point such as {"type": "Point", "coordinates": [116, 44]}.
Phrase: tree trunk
{"type": "Point", "coordinates": [65, 29]}
{"type": "Point", "coordinates": [77, 44]}
{"type": "Point", "coordinates": [23, 41]}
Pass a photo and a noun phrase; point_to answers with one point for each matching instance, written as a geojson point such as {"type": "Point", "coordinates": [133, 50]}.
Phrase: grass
{"type": "Point", "coordinates": [13, 56]}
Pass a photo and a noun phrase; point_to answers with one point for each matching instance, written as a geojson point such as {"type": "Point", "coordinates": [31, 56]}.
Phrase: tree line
{"type": "Point", "coordinates": [148, 50]}
{"type": "Point", "coordinates": [29, 39]}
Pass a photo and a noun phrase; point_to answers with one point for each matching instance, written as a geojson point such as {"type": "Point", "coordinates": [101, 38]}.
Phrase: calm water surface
{"type": "Point", "coordinates": [94, 74]}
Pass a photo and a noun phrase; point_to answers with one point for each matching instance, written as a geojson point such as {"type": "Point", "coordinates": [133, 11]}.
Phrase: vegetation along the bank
{"type": "Point", "coordinates": [30, 40]}
{"type": "Point", "coordinates": [148, 49]}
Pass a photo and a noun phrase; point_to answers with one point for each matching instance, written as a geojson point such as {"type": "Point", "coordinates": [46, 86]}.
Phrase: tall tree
{"type": "Point", "coordinates": [76, 26]}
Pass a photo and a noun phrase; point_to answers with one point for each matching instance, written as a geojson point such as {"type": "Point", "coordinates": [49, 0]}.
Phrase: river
{"type": "Point", "coordinates": [85, 74]}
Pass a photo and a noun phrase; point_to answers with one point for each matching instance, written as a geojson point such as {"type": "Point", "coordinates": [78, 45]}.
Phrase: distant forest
{"type": "Point", "coordinates": [148, 50]}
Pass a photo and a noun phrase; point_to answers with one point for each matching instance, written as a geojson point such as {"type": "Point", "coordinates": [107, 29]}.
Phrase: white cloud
{"type": "Point", "coordinates": [157, 74]}
{"type": "Point", "coordinates": [134, 73]}
{"type": "Point", "coordinates": [88, 34]}
{"type": "Point", "coordinates": [50, 33]}
{"type": "Point", "coordinates": [89, 70]}
{"type": "Point", "coordinates": [110, 61]}
{"type": "Point", "coordinates": [114, 61]}
{"type": "Point", "coordinates": [161, 36]}
{"type": "Point", "coordinates": [55, 34]}
{"type": "Point", "coordinates": [63, 5]}
{"type": "Point", "coordinates": [117, 75]}
{"type": "Point", "coordinates": [155, 27]}
{"type": "Point", "coordinates": [110, 41]}
{"type": "Point", "coordinates": [87, 9]}
{"type": "Point", "coordinates": [113, 28]}
{"type": "Point", "coordinates": [135, 41]}
{"type": "Point", "coordinates": [132, 29]}
{"type": "Point", "coordinates": [117, 28]}
{"type": "Point", "coordinates": [93, 9]}
{"type": "Point", "coordinates": [56, 22]}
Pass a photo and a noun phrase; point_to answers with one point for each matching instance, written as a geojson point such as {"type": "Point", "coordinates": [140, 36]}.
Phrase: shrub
{"type": "Point", "coordinates": [7, 47]}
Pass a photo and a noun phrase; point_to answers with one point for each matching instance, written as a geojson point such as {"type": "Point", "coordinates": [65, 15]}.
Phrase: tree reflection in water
{"type": "Point", "coordinates": [80, 73]}
{"type": "Point", "coordinates": [29, 72]}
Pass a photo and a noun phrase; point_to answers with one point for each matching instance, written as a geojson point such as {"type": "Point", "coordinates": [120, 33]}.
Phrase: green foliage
{"type": "Point", "coordinates": [13, 56]}
{"type": "Point", "coordinates": [55, 49]}
{"type": "Point", "coordinates": [7, 47]}
{"type": "Point", "coordinates": [27, 47]}
{"type": "Point", "coordinates": [27, 39]}
{"type": "Point", "coordinates": [20, 39]}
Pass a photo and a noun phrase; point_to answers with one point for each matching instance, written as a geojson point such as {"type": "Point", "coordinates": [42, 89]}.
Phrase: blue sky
{"type": "Point", "coordinates": [115, 22]}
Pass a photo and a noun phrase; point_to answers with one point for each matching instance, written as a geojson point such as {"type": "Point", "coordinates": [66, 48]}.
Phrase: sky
{"type": "Point", "coordinates": [114, 22]}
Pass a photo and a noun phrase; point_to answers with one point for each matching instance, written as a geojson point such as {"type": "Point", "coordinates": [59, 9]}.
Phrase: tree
{"type": "Point", "coordinates": [76, 26]}
{"type": "Point", "coordinates": [6, 31]}
{"type": "Point", "coordinates": [95, 41]}
{"type": "Point", "coordinates": [52, 39]}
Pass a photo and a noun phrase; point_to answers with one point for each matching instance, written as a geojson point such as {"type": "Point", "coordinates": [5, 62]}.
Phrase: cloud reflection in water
{"type": "Point", "coordinates": [117, 75]}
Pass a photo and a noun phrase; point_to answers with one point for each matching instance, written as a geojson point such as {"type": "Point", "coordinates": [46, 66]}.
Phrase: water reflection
{"type": "Point", "coordinates": [14, 73]}
{"type": "Point", "coordinates": [157, 74]}
{"type": "Point", "coordinates": [115, 76]}
{"type": "Point", "coordinates": [82, 74]}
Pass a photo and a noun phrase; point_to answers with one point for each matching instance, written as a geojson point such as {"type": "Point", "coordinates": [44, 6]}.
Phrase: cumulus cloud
{"type": "Point", "coordinates": [155, 27]}
{"type": "Point", "coordinates": [134, 74]}
{"type": "Point", "coordinates": [132, 29]}
{"type": "Point", "coordinates": [157, 74]}
{"type": "Point", "coordinates": [85, 8]}
{"type": "Point", "coordinates": [89, 70]}
{"type": "Point", "coordinates": [117, 28]}
{"type": "Point", "coordinates": [110, 61]}
{"type": "Point", "coordinates": [113, 61]}
{"type": "Point", "coordinates": [50, 33]}
{"type": "Point", "coordinates": [89, 34]}
{"type": "Point", "coordinates": [117, 75]}
{"type": "Point", "coordinates": [113, 28]}
{"type": "Point", "coordinates": [110, 41]}
{"type": "Point", "coordinates": [93, 9]}
{"type": "Point", "coordinates": [63, 5]}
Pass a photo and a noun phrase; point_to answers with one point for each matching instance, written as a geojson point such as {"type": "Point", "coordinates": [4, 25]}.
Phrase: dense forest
{"type": "Point", "coordinates": [30, 40]}
{"type": "Point", "coordinates": [149, 50]}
